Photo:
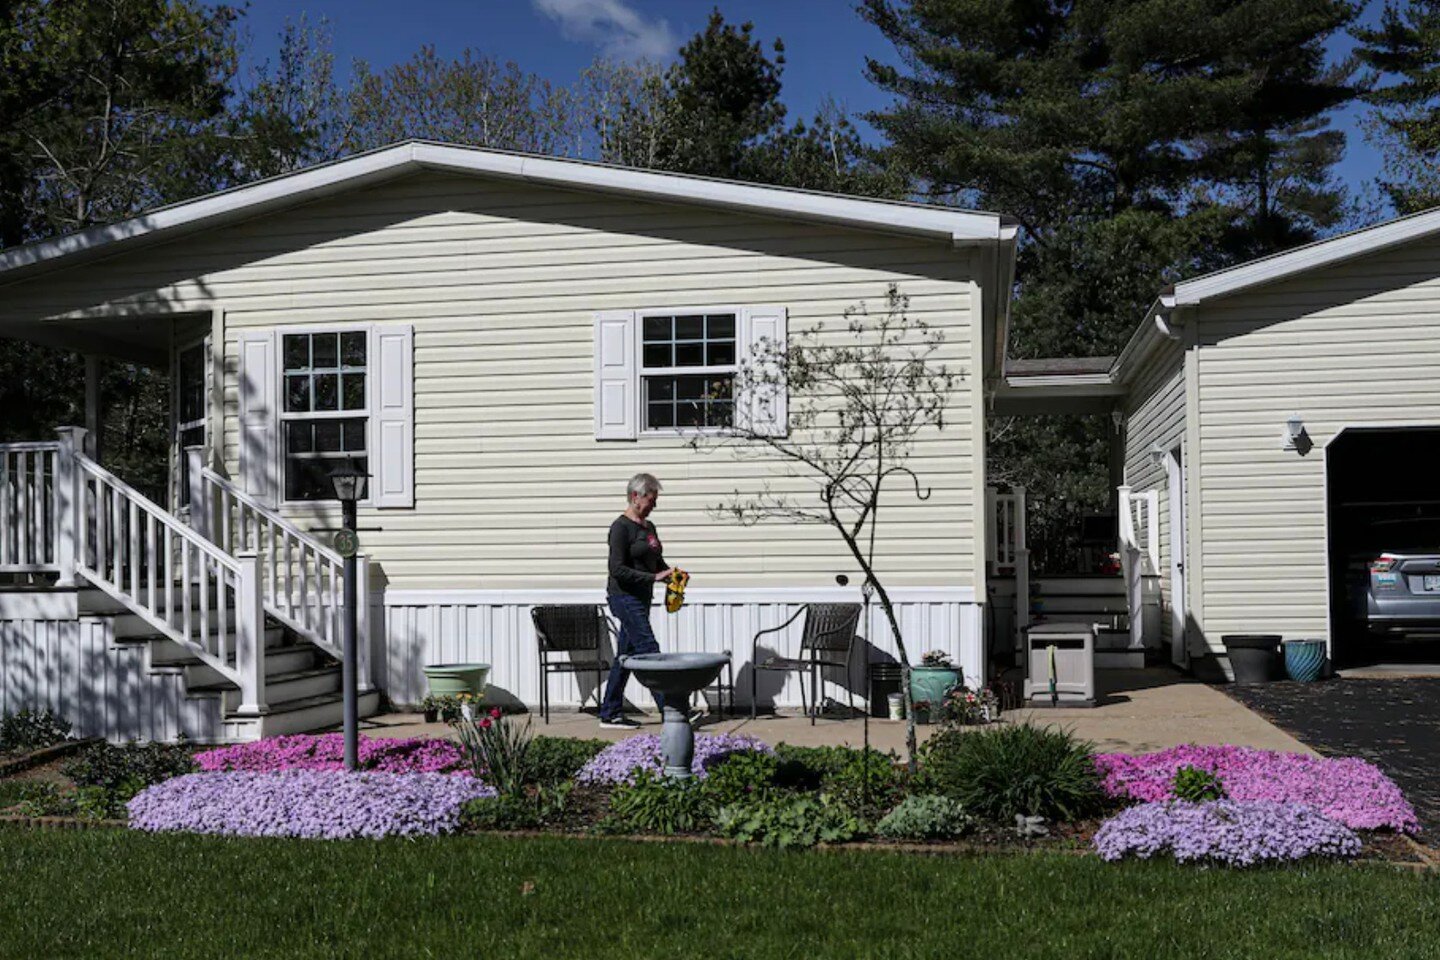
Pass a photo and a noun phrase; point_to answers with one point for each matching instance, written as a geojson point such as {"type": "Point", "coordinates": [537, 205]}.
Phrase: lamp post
{"type": "Point", "coordinates": [349, 481]}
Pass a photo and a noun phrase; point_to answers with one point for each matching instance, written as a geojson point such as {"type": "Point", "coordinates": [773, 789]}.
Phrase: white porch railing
{"type": "Point", "coordinates": [28, 507]}
{"type": "Point", "coordinates": [1139, 513]}
{"type": "Point", "coordinates": [1006, 549]}
{"type": "Point", "coordinates": [302, 582]}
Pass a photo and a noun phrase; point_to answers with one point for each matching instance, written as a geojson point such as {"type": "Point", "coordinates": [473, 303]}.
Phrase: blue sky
{"type": "Point", "coordinates": [826, 42]}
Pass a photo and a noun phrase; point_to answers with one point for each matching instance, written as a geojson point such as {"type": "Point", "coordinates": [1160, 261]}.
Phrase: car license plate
{"type": "Point", "coordinates": [1431, 581]}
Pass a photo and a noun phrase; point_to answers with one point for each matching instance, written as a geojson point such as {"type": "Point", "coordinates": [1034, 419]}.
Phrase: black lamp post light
{"type": "Point", "coordinates": [349, 481]}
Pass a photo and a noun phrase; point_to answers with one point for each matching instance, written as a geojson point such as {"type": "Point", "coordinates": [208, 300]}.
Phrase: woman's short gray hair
{"type": "Point", "coordinates": [642, 485]}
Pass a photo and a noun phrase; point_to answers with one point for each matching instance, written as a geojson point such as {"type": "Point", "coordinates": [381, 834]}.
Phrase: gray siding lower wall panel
{"type": "Point", "coordinates": [431, 628]}
{"type": "Point", "coordinates": [75, 668]}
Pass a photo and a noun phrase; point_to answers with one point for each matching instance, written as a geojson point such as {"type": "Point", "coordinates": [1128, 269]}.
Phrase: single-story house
{"type": "Point", "coordinates": [1272, 423]}
{"type": "Point", "coordinates": [501, 341]}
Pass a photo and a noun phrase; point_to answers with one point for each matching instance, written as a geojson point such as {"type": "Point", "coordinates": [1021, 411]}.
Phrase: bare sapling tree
{"type": "Point", "coordinates": [841, 407]}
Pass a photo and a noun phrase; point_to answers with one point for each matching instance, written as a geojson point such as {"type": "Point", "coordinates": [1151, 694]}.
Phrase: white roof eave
{"type": "Point", "coordinates": [961, 227]}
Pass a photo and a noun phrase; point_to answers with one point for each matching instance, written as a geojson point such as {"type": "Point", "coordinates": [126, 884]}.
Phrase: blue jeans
{"type": "Point", "coordinates": [635, 637]}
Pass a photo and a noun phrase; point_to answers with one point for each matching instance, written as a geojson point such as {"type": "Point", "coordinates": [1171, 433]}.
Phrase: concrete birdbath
{"type": "Point", "coordinates": [675, 676]}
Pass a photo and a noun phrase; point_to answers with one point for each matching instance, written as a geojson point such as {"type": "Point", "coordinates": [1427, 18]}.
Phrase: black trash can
{"type": "Point", "coordinates": [884, 680]}
{"type": "Point", "coordinates": [1254, 657]}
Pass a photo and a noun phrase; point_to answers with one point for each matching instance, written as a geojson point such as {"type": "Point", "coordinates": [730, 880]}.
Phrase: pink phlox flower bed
{"type": "Point", "coordinates": [311, 804]}
{"type": "Point", "coordinates": [326, 752]}
{"type": "Point", "coordinates": [1348, 790]}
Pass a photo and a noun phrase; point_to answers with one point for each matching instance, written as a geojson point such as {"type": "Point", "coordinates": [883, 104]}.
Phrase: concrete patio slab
{"type": "Point", "coordinates": [1139, 711]}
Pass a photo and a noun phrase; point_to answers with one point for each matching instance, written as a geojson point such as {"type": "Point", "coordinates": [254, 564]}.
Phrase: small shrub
{"type": "Point", "coordinates": [34, 798]}
{"type": "Point", "coordinates": [926, 817]}
{"type": "Point", "coordinates": [742, 777]}
{"type": "Point", "coordinates": [31, 730]}
{"type": "Point", "coordinates": [805, 768]}
{"type": "Point", "coordinates": [516, 811]}
{"type": "Point", "coordinates": [497, 750]}
{"type": "Point", "coordinates": [1196, 785]}
{"type": "Point", "coordinates": [866, 783]}
{"type": "Point", "coordinates": [126, 770]}
{"type": "Point", "coordinates": [999, 772]}
{"type": "Point", "coordinates": [659, 805]}
{"type": "Point", "coordinates": [556, 760]}
{"type": "Point", "coordinates": [788, 822]}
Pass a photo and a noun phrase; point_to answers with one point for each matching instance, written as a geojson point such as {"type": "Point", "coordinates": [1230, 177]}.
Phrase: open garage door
{"type": "Point", "coordinates": [1383, 504]}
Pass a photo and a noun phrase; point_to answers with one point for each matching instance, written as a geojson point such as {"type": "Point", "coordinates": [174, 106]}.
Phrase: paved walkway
{"type": "Point", "coordinates": [1390, 722]}
{"type": "Point", "coordinates": [1140, 711]}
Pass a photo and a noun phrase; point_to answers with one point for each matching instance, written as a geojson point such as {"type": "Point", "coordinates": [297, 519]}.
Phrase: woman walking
{"type": "Point", "coordinates": [636, 564]}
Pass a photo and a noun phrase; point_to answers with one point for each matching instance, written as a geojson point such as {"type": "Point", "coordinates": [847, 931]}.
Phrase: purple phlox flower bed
{"type": "Point", "coordinates": [307, 803]}
{"type": "Point", "coordinates": [619, 762]}
{"type": "Point", "coordinates": [1238, 833]}
{"type": "Point", "coordinates": [327, 752]}
{"type": "Point", "coordinates": [1349, 790]}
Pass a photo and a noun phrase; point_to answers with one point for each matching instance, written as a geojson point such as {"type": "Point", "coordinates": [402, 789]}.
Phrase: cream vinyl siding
{"type": "Point", "coordinates": [1354, 344]}
{"type": "Point", "coordinates": [1155, 414]}
{"type": "Point", "coordinates": [501, 282]}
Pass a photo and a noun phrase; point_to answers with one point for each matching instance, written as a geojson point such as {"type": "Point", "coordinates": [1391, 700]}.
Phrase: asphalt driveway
{"type": "Point", "coordinates": [1392, 723]}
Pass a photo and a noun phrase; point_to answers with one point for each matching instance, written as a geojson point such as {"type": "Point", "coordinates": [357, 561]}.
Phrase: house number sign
{"type": "Point", "coordinates": [346, 543]}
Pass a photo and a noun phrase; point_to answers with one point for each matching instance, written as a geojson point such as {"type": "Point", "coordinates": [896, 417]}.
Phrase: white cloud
{"type": "Point", "coordinates": [614, 26]}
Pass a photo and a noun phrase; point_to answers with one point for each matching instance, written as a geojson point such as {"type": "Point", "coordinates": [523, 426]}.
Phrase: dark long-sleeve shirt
{"type": "Point", "coordinates": [636, 555]}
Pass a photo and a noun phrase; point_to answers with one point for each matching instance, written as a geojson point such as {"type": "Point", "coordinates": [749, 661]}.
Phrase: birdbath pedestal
{"type": "Point", "coordinates": [674, 676]}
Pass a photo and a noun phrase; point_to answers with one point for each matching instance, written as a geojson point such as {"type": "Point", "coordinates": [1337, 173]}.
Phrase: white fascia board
{"type": "Point", "coordinates": [962, 227]}
{"type": "Point", "coordinates": [1320, 254]}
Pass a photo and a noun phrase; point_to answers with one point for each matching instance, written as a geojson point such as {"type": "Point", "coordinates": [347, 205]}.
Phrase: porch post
{"type": "Point", "coordinates": [364, 681]}
{"type": "Point", "coordinates": [67, 504]}
{"type": "Point", "coordinates": [250, 635]}
{"type": "Point", "coordinates": [92, 406]}
{"type": "Point", "coordinates": [1116, 460]}
{"type": "Point", "coordinates": [1022, 572]}
{"type": "Point", "coordinates": [200, 513]}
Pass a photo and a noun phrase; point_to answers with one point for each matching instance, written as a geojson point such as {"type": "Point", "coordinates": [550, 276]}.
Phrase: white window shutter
{"type": "Point", "coordinates": [259, 419]}
{"type": "Point", "coordinates": [766, 405]}
{"type": "Point", "coordinates": [617, 385]}
{"type": "Point", "coordinates": [392, 415]}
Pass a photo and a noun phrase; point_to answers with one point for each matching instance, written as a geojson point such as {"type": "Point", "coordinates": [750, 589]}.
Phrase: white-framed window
{"type": "Point", "coordinates": [324, 412]}
{"type": "Point", "coordinates": [663, 371]}
{"type": "Point", "coordinates": [687, 369]}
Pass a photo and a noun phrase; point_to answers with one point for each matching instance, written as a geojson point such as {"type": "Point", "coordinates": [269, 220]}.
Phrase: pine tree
{"type": "Point", "coordinates": [1406, 121]}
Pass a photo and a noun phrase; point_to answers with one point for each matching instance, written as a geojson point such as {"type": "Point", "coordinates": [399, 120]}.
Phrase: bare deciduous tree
{"type": "Point", "coordinates": [857, 400]}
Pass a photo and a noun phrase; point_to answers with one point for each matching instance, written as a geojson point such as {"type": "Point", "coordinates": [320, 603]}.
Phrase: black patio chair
{"type": "Point", "coordinates": [565, 633]}
{"type": "Point", "coordinates": [827, 635]}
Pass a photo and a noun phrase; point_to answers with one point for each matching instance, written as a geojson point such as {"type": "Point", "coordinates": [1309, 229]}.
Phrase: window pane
{"type": "Point", "coordinates": [719, 354]}
{"type": "Point", "coordinates": [661, 388]}
{"type": "Point", "coordinates": [354, 435]}
{"type": "Point", "coordinates": [690, 388]}
{"type": "Point", "coordinates": [299, 438]}
{"type": "Point", "coordinates": [719, 387]}
{"type": "Point", "coordinates": [661, 415]}
{"type": "Point", "coordinates": [327, 436]}
{"type": "Point", "coordinates": [326, 347]}
{"type": "Point", "coordinates": [657, 328]}
{"type": "Point", "coordinates": [354, 391]}
{"type": "Point", "coordinates": [689, 328]}
{"type": "Point", "coordinates": [352, 349]}
{"type": "Point", "coordinates": [690, 414]}
{"type": "Point", "coordinates": [689, 354]}
{"type": "Point", "coordinates": [327, 391]}
{"type": "Point", "coordinates": [297, 351]}
{"type": "Point", "coordinates": [297, 394]}
{"type": "Point", "coordinates": [720, 413]}
{"type": "Point", "coordinates": [720, 326]}
{"type": "Point", "coordinates": [657, 355]}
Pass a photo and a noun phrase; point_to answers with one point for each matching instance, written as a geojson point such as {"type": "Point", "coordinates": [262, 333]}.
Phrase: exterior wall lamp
{"type": "Point", "coordinates": [1295, 436]}
{"type": "Point", "coordinates": [349, 481]}
{"type": "Point", "coordinates": [1157, 454]}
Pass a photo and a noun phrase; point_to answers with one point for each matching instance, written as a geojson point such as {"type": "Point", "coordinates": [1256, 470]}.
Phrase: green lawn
{"type": "Point", "coordinates": [112, 893]}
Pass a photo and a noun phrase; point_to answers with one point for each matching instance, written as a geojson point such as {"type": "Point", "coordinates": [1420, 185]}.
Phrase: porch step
{"type": "Point", "coordinates": [1078, 586]}
{"type": "Point", "coordinates": [131, 626]}
{"type": "Point", "coordinates": [280, 689]}
{"type": "Point", "coordinates": [1119, 659]}
{"type": "Point", "coordinates": [286, 659]}
{"type": "Point", "coordinates": [299, 716]}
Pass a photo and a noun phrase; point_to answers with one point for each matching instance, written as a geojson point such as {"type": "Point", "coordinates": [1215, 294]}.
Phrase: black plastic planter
{"type": "Point", "coordinates": [1255, 657]}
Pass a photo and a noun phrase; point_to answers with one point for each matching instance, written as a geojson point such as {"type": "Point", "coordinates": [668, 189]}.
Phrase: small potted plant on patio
{"type": "Point", "coordinates": [932, 679]}
{"type": "Point", "coordinates": [922, 711]}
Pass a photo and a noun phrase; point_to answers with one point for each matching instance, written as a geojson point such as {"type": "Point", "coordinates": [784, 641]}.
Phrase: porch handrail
{"type": "Point", "coordinates": [29, 510]}
{"type": "Point", "coordinates": [302, 580]}
{"type": "Point", "coordinates": [158, 568]}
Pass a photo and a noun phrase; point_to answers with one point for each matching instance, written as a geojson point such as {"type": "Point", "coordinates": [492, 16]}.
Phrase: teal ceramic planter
{"type": "Point", "coordinates": [931, 684]}
{"type": "Point", "coordinates": [449, 679]}
{"type": "Point", "coordinates": [1304, 659]}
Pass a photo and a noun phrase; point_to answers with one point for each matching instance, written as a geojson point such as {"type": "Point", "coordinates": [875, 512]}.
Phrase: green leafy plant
{"type": "Point", "coordinates": [741, 777]}
{"type": "Point", "coordinates": [868, 784]}
{"type": "Point", "coordinates": [448, 708]}
{"type": "Point", "coordinates": [1197, 785]}
{"type": "Point", "coordinates": [497, 750]}
{"type": "Point", "coordinates": [46, 800]}
{"type": "Point", "coordinates": [14, 793]}
{"type": "Point", "coordinates": [30, 730]}
{"type": "Point", "coordinates": [999, 772]}
{"type": "Point", "coordinates": [925, 817]}
{"type": "Point", "coordinates": [788, 822]}
{"type": "Point", "coordinates": [126, 770]}
{"type": "Point", "coordinates": [654, 804]}
{"type": "Point", "coordinates": [805, 768]}
{"type": "Point", "coordinates": [516, 811]}
{"type": "Point", "coordinates": [555, 760]}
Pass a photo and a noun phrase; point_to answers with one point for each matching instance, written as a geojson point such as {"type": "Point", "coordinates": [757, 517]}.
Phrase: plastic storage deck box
{"type": "Point", "coordinates": [1074, 645]}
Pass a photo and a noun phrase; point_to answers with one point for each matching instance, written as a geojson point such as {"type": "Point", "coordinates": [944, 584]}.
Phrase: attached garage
{"type": "Point", "coordinates": [1292, 405]}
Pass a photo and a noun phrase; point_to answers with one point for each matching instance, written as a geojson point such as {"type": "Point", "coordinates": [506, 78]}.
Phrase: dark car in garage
{"type": "Point", "coordinates": [1394, 584]}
